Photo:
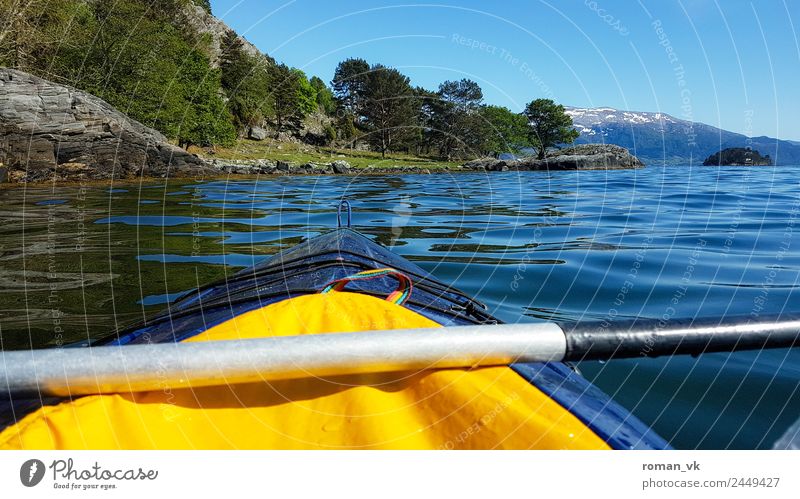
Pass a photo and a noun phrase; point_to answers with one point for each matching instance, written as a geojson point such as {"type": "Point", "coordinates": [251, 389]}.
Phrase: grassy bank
{"type": "Point", "coordinates": [298, 154]}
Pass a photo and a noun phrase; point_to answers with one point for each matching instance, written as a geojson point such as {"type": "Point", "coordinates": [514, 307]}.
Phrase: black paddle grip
{"type": "Point", "coordinates": [653, 337]}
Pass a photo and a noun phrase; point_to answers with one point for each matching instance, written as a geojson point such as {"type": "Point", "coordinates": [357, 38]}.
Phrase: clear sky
{"type": "Point", "coordinates": [734, 64]}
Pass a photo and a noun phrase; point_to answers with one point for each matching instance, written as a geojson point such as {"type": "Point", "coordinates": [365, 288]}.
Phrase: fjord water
{"type": "Point", "coordinates": [79, 261]}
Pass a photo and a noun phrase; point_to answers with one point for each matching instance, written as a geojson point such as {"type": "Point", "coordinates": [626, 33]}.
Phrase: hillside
{"type": "Point", "coordinates": [169, 65]}
{"type": "Point", "coordinates": [658, 138]}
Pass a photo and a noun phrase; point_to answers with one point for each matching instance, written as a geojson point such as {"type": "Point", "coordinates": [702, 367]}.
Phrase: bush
{"type": "Point", "coordinates": [330, 133]}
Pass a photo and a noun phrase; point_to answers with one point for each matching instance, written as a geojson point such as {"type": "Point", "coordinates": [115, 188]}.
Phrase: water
{"type": "Point", "coordinates": [79, 261]}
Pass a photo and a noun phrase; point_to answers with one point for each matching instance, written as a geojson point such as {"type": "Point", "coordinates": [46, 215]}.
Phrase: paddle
{"type": "Point", "coordinates": [114, 369]}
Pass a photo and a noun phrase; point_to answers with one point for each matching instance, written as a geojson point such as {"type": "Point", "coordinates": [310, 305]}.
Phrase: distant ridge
{"type": "Point", "coordinates": [662, 139]}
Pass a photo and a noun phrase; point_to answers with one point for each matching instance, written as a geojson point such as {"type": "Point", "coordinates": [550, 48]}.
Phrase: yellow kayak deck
{"type": "Point", "coordinates": [484, 408]}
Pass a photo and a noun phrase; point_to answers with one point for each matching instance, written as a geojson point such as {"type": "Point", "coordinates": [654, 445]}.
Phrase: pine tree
{"type": "Point", "coordinates": [389, 107]}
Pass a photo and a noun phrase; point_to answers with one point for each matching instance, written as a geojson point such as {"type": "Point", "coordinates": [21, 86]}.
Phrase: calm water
{"type": "Point", "coordinates": [79, 261]}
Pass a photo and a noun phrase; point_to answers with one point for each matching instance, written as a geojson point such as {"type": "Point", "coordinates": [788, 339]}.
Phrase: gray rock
{"type": "Point", "coordinates": [283, 166]}
{"type": "Point", "coordinates": [581, 157]}
{"type": "Point", "coordinates": [340, 167]}
{"type": "Point", "coordinates": [584, 157]}
{"type": "Point", "coordinates": [256, 133]}
{"type": "Point", "coordinates": [286, 137]}
{"type": "Point", "coordinates": [478, 164]}
{"type": "Point", "coordinates": [51, 131]}
{"type": "Point", "coordinates": [204, 23]}
{"type": "Point", "coordinates": [486, 164]}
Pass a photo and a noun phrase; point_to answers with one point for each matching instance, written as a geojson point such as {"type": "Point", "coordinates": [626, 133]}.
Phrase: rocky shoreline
{"type": "Point", "coordinates": [582, 157]}
{"type": "Point", "coordinates": [52, 132]}
{"type": "Point", "coordinates": [338, 167]}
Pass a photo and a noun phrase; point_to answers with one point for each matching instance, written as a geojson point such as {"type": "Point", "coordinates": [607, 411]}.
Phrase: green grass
{"type": "Point", "coordinates": [304, 153]}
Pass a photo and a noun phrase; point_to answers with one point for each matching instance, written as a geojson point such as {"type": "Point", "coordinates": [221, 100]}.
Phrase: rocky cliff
{"type": "Point", "coordinates": [581, 157]}
{"type": "Point", "coordinates": [204, 23]}
{"type": "Point", "coordinates": [50, 131]}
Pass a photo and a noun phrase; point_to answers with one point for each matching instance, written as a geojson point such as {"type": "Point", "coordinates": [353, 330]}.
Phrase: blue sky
{"type": "Point", "coordinates": [730, 63]}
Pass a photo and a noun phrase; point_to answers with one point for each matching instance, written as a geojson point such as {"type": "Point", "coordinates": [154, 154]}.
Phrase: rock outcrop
{"type": "Point", "coordinates": [204, 23]}
{"type": "Point", "coordinates": [51, 131]}
{"type": "Point", "coordinates": [581, 157]}
{"type": "Point", "coordinates": [738, 156]}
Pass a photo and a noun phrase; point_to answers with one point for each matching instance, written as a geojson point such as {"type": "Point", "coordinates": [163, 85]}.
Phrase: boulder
{"type": "Point", "coordinates": [283, 166]}
{"type": "Point", "coordinates": [50, 131]}
{"type": "Point", "coordinates": [256, 133]}
{"type": "Point", "coordinates": [481, 164]}
{"type": "Point", "coordinates": [488, 164]}
{"type": "Point", "coordinates": [340, 167]}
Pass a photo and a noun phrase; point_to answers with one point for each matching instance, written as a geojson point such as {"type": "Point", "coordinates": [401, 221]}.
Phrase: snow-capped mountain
{"type": "Point", "coordinates": [658, 138]}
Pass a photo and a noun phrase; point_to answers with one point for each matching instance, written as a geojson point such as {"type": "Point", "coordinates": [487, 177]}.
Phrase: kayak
{"type": "Point", "coordinates": [340, 281]}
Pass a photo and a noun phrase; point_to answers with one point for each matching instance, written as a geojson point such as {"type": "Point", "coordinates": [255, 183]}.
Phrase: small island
{"type": "Point", "coordinates": [579, 157]}
{"type": "Point", "coordinates": [738, 156]}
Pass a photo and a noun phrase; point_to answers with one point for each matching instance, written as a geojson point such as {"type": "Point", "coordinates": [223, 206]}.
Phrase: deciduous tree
{"type": "Point", "coordinates": [506, 131]}
{"type": "Point", "coordinates": [549, 125]}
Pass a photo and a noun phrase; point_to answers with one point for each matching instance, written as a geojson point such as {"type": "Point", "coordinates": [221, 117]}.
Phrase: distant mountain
{"type": "Point", "coordinates": [661, 139]}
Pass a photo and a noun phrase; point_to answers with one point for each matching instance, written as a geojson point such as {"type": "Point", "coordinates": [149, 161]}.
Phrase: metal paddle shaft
{"type": "Point", "coordinates": [119, 369]}
{"type": "Point", "coordinates": [114, 369]}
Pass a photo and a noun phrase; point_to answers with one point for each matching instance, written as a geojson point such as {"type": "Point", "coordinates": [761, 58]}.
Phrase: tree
{"type": "Point", "coordinates": [285, 94]}
{"type": "Point", "coordinates": [456, 126]}
{"type": "Point", "coordinates": [306, 95]}
{"type": "Point", "coordinates": [324, 96]}
{"type": "Point", "coordinates": [206, 121]}
{"type": "Point", "coordinates": [389, 107]}
{"type": "Point", "coordinates": [245, 79]}
{"type": "Point", "coordinates": [33, 32]}
{"type": "Point", "coordinates": [346, 130]}
{"type": "Point", "coordinates": [506, 131]}
{"type": "Point", "coordinates": [155, 70]}
{"type": "Point", "coordinates": [549, 125]}
{"type": "Point", "coordinates": [349, 84]}
{"type": "Point", "coordinates": [465, 95]}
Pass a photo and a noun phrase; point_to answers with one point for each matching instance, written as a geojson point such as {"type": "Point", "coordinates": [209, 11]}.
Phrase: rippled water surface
{"type": "Point", "coordinates": [79, 261]}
